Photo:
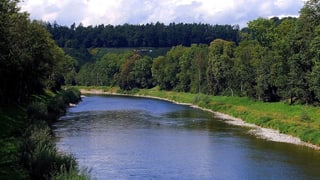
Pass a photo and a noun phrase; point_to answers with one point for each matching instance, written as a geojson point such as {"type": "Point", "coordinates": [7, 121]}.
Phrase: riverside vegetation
{"type": "Point", "coordinates": [297, 120]}
{"type": "Point", "coordinates": [32, 68]}
{"type": "Point", "coordinates": [27, 146]}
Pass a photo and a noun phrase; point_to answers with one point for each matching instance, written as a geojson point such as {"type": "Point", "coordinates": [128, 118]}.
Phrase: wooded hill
{"type": "Point", "coordinates": [271, 59]}
{"type": "Point", "coordinates": [148, 35]}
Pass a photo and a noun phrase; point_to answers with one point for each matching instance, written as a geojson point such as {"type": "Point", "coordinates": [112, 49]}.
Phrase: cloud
{"type": "Point", "coordinates": [93, 12]}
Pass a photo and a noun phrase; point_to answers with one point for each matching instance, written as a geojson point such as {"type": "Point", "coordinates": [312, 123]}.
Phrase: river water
{"type": "Point", "coordinates": [138, 138]}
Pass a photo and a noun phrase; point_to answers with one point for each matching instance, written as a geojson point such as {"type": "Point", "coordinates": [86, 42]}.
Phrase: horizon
{"type": "Point", "coordinates": [96, 12]}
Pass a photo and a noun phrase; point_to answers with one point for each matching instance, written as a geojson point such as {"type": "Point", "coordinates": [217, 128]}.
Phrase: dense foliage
{"type": "Point", "coordinates": [31, 65]}
{"type": "Point", "coordinates": [275, 59]}
{"type": "Point", "coordinates": [30, 60]}
{"type": "Point", "coordinates": [38, 155]}
{"type": "Point", "coordinates": [148, 35]}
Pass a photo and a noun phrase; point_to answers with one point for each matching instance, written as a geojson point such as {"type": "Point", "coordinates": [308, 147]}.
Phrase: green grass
{"type": "Point", "coordinates": [99, 88]}
{"type": "Point", "coordinates": [298, 120]}
{"type": "Point", "coordinates": [98, 53]}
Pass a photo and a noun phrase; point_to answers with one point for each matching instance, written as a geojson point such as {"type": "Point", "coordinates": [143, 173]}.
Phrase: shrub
{"type": "Point", "coordinates": [40, 156]}
{"type": "Point", "coordinates": [201, 99]}
{"type": "Point", "coordinates": [263, 120]}
{"type": "Point", "coordinates": [304, 116]}
{"type": "Point", "coordinates": [56, 107]}
{"type": "Point", "coordinates": [37, 111]}
{"type": "Point", "coordinates": [311, 135]}
{"type": "Point", "coordinates": [71, 174]}
{"type": "Point", "coordinates": [37, 152]}
{"type": "Point", "coordinates": [71, 95]}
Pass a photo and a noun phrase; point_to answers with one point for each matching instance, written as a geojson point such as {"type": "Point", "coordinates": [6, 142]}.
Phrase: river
{"type": "Point", "coordinates": [139, 138]}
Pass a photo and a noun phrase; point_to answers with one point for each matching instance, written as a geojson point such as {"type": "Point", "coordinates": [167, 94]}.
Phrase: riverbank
{"type": "Point", "coordinates": [265, 124]}
{"type": "Point", "coordinates": [28, 148]}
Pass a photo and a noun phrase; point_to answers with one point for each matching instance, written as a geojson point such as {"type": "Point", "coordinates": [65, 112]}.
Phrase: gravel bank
{"type": "Point", "coordinates": [260, 132]}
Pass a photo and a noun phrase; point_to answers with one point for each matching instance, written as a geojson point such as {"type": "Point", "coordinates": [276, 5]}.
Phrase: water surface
{"type": "Point", "coordinates": [139, 138]}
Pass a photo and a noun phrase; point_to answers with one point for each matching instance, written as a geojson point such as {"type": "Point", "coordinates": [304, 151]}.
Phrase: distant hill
{"type": "Point", "coordinates": [148, 35]}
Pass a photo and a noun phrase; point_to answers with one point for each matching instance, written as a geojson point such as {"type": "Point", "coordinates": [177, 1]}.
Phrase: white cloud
{"type": "Point", "coordinates": [93, 12]}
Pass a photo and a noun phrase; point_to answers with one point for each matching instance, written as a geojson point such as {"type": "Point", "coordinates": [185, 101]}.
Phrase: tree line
{"type": "Point", "coordinates": [275, 59]}
{"type": "Point", "coordinates": [145, 35]}
{"type": "Point", "coordinates": [30, 60]}
{"type": "Point", "coordinates": [32, 70]}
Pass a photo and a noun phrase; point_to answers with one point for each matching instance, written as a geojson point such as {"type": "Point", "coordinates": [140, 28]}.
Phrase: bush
{"type": "Point", "coordinates": [201, 99]}
{"type": "Point", "coordinates": [263, 120]}
{"type": "Point", "coordinates": [71, 95]}
{"type": "Point", "coordinates": [304, 116]}
{"type": "Point", "coordinates": [56, 107]}
{"type": "Point", "coordinates": [37, 152]}
{"type": "Point", "coordinates": [71, 174]}
{"type": "Point", "coordinates": [129, 92]}
{"type": "Point", "coordinates": [40, 156]}
{"type": "Point", "coordinates": [37, 111]}
{"type": "Point", "coordinates": [312, 136]}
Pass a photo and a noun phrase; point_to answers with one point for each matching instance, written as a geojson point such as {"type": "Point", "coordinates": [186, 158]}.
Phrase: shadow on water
{"type": "Point", "coordinates": [138, 138]}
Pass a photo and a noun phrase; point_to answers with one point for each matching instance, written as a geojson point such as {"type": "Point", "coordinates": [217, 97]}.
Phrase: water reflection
{"type": "Point", "coordinates": [136, 138]}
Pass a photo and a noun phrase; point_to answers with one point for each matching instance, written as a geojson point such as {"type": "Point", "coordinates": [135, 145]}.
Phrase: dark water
{"type": "Point", "coordinates": [138, 138]}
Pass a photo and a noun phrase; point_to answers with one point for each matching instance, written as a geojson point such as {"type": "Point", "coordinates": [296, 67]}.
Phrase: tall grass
{"type": "Point", "coordinates": [72, 174]}
{"type": "Point", "coordinates": [39, 155]}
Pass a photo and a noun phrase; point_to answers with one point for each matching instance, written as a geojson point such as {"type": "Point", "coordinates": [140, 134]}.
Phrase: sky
{"type": "Point", "coordinates": [117, 12]}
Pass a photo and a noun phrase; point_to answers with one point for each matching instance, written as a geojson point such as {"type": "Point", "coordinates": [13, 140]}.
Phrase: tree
{"type": "Point", "coordinates": [69, 73]}
{"type": "Point", "coordinates": [262, 30]}
{"type": "Point", "coordinates": [308, 37]}
{"type": "Point", "coordinates": [199, 62]}
{"type": "Point", "coordinates": [142, 72]}
{"type": "Point", "coordinates": [282, 52]}
{"type": "Point", "coordinates": [30, 59]}
{"type": "Point", "coordinates": [245, 66]}
{"type": "Point", "coordinates": [220, 63]}
{"type": "Point", "coordinates": [310, 14]}
{"type": "Point", "coordinates": [148, 35]}
{"type": "Point", "coordinates": [111, 67]}
{"type": "Point", "coordinates": [158, 73]}
{"type": "Point", "coordinates": [185, 71]}
{"type": "Point", "coordinates": [314, 75]}
{"type": "Point", "coordinates": [11, 19]}
{"type": "Point", "coordinates": [85, 76]}
{"type": "Point", "coordinates": [265, 89]}
{"type": "Point", "coordinates": [126, 78]}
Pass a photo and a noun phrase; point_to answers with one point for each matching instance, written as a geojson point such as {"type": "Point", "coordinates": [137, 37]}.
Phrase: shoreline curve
{"type": "Point", "coordinates": [258, 131]}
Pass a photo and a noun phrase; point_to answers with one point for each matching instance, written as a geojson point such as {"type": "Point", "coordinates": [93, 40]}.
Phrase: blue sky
{"type": "Point", "coordinates": [115, 12]}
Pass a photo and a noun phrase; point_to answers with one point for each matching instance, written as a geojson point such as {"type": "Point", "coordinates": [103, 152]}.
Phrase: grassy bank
{"type": "Point", "coordinates": [27, 148]}
{"type": "Point", "coordinates": [296, 120]}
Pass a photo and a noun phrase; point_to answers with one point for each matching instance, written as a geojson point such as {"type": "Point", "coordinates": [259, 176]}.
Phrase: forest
{"type": "Point", "coordinates": [270, 60]}
{"type": "Point", "coordinates": [30, 60]}
{"type": "Point", "coordinates": [145, 35]}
